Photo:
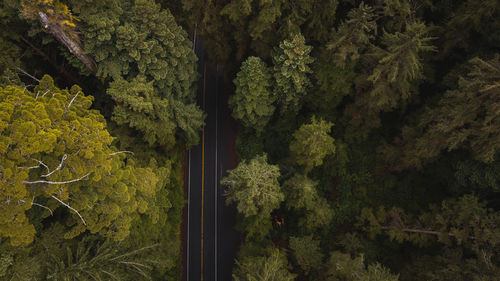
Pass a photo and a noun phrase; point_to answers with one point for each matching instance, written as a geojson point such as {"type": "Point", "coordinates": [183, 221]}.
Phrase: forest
{"type": "Point", "coordinates": [368, 137]}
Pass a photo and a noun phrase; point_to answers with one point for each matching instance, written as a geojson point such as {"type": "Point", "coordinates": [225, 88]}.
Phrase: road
{"type": "Point", "coordinates": [211, 241]}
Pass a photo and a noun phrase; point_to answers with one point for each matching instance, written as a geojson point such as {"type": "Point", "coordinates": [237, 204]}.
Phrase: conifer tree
{"type": "Point", "coordinates": [140, 43]}
{"type": "Point", "coordinates": [56, 153]}
{"type": "Point", "coordinates": [307, 252]}
{"type": "Point", "coordinates": [254, 187]}
{"type": "Point", "coordinates": [466, 117]}
{"type": "Point", "coordinates": [263, 268]}
{"type": "Point", "coordinates": [463, 221]}
{"type": "Point", "coordinates": [353, 36]}
{"type": "Point", "coordinates": [302, 196]}
{"type": "Point", "coordinates": [312, 143]}
{"type": "Point", "coordinates": [341, 266]}
{"type": "Point", "coordinates": [396, 68]}
{"type": "Point", "coordinates": [252, 101]}
{"type": "Point", "coordinates": [291, 68]}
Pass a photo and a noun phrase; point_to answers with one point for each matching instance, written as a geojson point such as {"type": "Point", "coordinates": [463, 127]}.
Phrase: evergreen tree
{"type": "Point", "coordinates": [55, 152]}
{"type": "Point", "coordinates": [252, 101]}
{"type": "Point", "coordinates": [354, 35]}
{"type": "Point", "coordinates": [395, 70]}
{"type": "Point", "coordinates": [342, 267]}
{"type": "Point", "coordinates": [302, 196]}
{"type": "Point", "coordinates": [291, 68]}
{"type": "Point", "coordinates": [140, 43]}
{"type": "Point", "coordinates": [266, 268]}
{"type": "Point", "coordinates": [254, 187]}
{"type": "Point", "coordinates": [466, 117]}
{"type": "Point", "coordinates": [312, 143]}
{"type": "Point", "coordinates": [307, 253]}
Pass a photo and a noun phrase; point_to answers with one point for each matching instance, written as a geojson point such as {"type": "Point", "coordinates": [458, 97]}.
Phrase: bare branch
{"type": "Point", "coordinates": [71, 208]}
{"type": "Point", "coordinates": [124, 151]}
{"type": "Point", "coordinates": [29, 75]}
{"type": "Point", "coordinates": [56, 182]}
{"type": "Point", "coordinates": [58, 167]}
{"type": "Point", "coordinates": [71, 102]}
{"type": "Point", "coordinates": [45, 93]}
{"type": "Point", "coordinates": [45, 207]}
{"type": "Point", "coordinates": [39, 163]}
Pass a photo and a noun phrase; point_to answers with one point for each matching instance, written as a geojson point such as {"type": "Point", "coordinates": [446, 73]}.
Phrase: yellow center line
{"type": "Point", "coordinates": [203, 167]}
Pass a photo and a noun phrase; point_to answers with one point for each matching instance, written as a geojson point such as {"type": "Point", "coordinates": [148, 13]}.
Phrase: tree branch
{"type": "Point", "coordinates": [56, 169]}
{"type": "Point", "coordinates": [56, 182]}
{"type": "Point", "coordinates": [39, 205]}
{"type": "Point", "coordinates": [124, 151]}
{"type": "Point", "coordinates": [29, 75]}
{"type": "Point", "coordinates": [71, 208]}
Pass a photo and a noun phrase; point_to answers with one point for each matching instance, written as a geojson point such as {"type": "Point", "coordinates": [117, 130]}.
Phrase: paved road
{"type": "Point", "coordinates": [211, 241]}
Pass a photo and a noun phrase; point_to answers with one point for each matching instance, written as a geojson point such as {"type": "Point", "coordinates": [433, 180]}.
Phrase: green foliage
{"type": "Point", "coordinates": [91, 260]}
{"type": "Point", "coordinates": [396, 70]}
{"type": "Point", "coordinates": [398, 65]}
{"type": "Point", "coordinates": [291, 68]}
{"type": "Point", "coordinates": [466, 118]}
{"type": "Point", "coordinates": [353, 35]}
{"type": "Point", "coordinates": [252, 101]}
{"type": "Point", "coordinates": [312, 143]}
{"type": "Point", "coordinates": [142, 108]}
{"type": "Point", "coordinates": [55, 152]}
{"type": "Point", "coordinates": [140, 47]}
{"type": "Point", "coordinates": [302, 196]}
{"type": "Point", "coordinates": [265, 14]}
{"type": "Point", "coordinates": [341, 267]}
{"type": "Point", "coordinates": [272, 267]}
{"type": "Point", "coordinates": [307, 253]}
{"type": "Point", "coordinates": [464, 221]}
{"type": "Point", "coordinates": [254, 187]}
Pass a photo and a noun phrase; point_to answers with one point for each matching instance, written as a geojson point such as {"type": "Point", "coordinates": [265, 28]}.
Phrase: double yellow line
{"type": "Point", "coordinates": [203, 167]}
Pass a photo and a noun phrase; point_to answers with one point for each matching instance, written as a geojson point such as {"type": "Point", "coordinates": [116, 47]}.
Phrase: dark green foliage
{"type": "Point", "coordinates": [252, 102]}
{"type": "Point", "coordinates": [151, 61]}
{"type": "Point", "coordinates": [312, 143]}
{"type": "Point", "coordinates": [306, 252]}
{"type": "Point", "coordinates": [343, 267]}
{"type": "Point", "coordinates": [291, 68]}
{"type": "Point", "coordinates": [465, 118]}
{"type": "Point", "coordinates": [264, 268]}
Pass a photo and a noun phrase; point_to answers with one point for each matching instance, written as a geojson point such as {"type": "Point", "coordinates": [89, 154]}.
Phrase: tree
{"type": "Point", "coordinates": [466, 118]}
{"type": "Point", "coordinates": [254, 187]}
{"type": "Point", "coordinates": [341, 266]}
{"type": "Point", "coordinates": [58, 20]}
{"type": "Point", "coordinates": [265, 14]}
{"type": "Point", "coordinates": [458, 223]}
{"type": "Point", "coordinates": [301, 195]}
{"type": "Point", "coordinates": [291, 68]}
{"type": "Point", "coordinates": [396, 68]}
{"type": "Point", "coordinates": [466, 229]}
{"type": "Point", "coordinates": [56, 152]}
{"type": "Point", "coordinates": [353, 36]}
{"type": "Point", "coordinates": [252, 101]}
{"type": "Point", "coordinates": [263, 268]}
{"type": "Point", "coordinates": [312, 143]}
{"type": "Point", "coordinates": [94, 260]}
{"type": "Point", "coordinates": [307, 253]}
{"type": "Point", "coordinates": [140, 43]}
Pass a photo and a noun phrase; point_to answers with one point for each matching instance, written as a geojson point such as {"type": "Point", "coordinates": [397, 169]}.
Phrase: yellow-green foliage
{"type": "Point", "coordinates": [53, 147]}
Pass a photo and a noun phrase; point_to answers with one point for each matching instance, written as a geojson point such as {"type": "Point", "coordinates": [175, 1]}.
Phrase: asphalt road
{"type": "Point", "coordinates": [211, 242]}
